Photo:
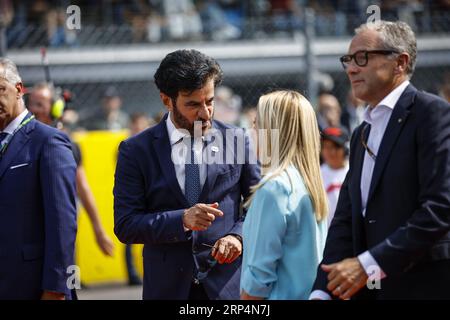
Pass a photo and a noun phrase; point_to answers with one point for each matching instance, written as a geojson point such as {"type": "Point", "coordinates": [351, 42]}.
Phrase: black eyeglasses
{"type": "Point", "coordinates": [364, 143]}
{"type": "Point", "coordinates": [362, 57]}
{"type": "Point", "coordinates": [204, 268]}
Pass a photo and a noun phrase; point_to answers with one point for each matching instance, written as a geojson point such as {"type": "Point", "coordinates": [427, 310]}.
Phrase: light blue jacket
{"type": "Point", "coordinates": [283, 243]}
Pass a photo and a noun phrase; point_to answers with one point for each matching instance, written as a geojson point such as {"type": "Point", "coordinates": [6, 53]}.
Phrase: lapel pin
{"type": "Point", "coordinates": [214, 149]}
{"type": "Point", "coordinates": [400, 120]}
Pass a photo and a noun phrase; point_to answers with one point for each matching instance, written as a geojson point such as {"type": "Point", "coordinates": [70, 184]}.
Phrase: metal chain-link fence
{"type": "Point", "coordinates": [143, 97]}
{"type": "Point", "coordinates": [249, 76]}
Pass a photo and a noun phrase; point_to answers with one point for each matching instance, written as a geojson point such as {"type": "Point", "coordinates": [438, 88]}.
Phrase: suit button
{"type": "Point", "coordinates": [372, 221]}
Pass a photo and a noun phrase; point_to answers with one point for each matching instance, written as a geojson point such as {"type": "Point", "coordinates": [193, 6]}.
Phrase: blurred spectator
{"type": "Point", "coordinates": [227, 105]}
{"type": "Point", "coordinates": [40, 103]}
{"type": "Point", "coordinates": [329, 21]}
{"type": "Point", "coordinates": [139, 122]}
{"type": "Point", "coordinates": [57, 33]}
{"type": "Point", "coordinates": [6, 16]}
{"type": "Point", "coordinates": [215, 23]}
{"type": "Point", "coordinates": [235, 12]}
{"type": "Point", "coordinates": [183, 20]}
{"type": "Point", "coordinates": [6, 13]}
{"type": "Point", "coordinates": [109, 117]}
{"type": "Point", "coordinates": [352, 113]}
{"type": "Point", "coordinates": [329, 111]}
{"type": "Point", "coordinates": [156, 29]}
{"type": "Point", "coordinates": [139, 28]}
{"type": "Point", "coordinates": [286, 15]}
{"type": "Point", "coordinates": [334, 169]}
{"type": "Point", "coordinates": [70, 120]}
{"type": "Point", "coordinates": [248, 118]}
{"type": "Point", "coordinates": [37, 11]}
{"type": "Point", "coordinates": [324, 81]}
{"type": "Point", "coordinates": [146, 20]}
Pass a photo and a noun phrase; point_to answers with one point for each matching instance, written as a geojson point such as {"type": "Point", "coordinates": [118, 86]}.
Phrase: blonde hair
{"type": "Point", "coordinates": [293, 117]}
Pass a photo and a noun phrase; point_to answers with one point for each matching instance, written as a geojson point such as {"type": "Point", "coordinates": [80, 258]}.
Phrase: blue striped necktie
{"type": "Point", "coordinates": [192, 187]}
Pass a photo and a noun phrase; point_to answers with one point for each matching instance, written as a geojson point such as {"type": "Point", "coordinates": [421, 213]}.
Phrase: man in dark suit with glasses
{"type": "Point", "coordinates": [391, 229]}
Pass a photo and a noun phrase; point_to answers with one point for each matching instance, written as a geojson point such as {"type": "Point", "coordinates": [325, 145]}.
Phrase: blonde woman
{"type": "Point", "coordinates": [285, 229]}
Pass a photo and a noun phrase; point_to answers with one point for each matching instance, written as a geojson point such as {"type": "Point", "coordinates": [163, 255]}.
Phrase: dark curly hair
{"type": "Point", "coordinates": [186, 70]}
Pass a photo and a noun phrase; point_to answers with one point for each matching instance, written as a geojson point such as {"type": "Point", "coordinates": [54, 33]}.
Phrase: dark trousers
{"type": "Point", "coordinates": [197, 292]}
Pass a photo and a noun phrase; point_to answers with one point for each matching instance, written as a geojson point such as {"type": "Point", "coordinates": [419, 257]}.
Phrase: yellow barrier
{"type": "Point", "coordinates": [99, 154]}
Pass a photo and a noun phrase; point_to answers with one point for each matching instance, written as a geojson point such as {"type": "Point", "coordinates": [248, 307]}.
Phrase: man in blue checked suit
{"type": "Point", "coordinates": [37, 200]}
{"type": "Point", "coordinates": [179, 188]}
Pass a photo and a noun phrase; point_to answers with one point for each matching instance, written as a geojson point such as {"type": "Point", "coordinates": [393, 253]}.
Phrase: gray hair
{"type": "Point", "coordinates": [10, 72]}
{"type": "Point", "coordinates": [396, 36]}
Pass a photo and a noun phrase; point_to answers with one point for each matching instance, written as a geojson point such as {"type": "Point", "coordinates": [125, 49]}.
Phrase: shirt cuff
{"type": "Point", "coordinates": [371, 267]}
{"type": "Point", "coordinates": [254, 285]}
{"type": "Point", "coordinates": [319, 294]}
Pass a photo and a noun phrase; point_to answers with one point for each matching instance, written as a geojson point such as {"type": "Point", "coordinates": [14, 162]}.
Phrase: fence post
{"type": "Point", "coordinates": [310, 59]}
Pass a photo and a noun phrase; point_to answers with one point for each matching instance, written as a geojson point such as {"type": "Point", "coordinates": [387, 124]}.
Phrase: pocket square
{"type": "Point", "coordinates": [19, 166]}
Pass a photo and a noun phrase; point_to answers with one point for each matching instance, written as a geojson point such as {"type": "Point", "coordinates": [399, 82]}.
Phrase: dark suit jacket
{"type": "Point", "coordinates": [148, 209]}
{"type": "Point", "coordinates": [37, 213]}
{"type": "Point", "coordinates": [406, 227]}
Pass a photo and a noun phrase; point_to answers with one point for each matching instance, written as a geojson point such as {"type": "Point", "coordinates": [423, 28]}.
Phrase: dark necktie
{"type": "Point", "coordinates": [192, 187]}
{"type": "Point", "coordinates": [3, 135]}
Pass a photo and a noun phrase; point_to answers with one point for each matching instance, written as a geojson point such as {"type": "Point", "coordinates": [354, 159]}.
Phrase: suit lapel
{"type": "Point", "coordinates": [393, 129]}
{"type": "Point", "coordinates": [19, 140]}
{"type": "Point", "coordinates": [164, 154]}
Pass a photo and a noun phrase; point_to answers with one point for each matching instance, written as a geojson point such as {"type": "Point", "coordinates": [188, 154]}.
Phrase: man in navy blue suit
{"type": "Point", "coordinates": [390, 236]}
{"type": "Point", "coordinates": [179, 187]}
{"type": "Point", "coordinates": [37, 200]}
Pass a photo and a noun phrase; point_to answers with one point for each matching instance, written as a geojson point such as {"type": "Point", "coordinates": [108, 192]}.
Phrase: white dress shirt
{"type": "Point", "coordinates": [16, 122]}
{"type": "Point", "coordinates": [378, 118]}
{"type": "Point", "coordinates": [179, 153]}
{"type": "Point", "coordinates": [13, 125]}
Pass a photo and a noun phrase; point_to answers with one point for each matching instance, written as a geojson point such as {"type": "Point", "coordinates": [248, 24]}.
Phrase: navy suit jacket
{"type": "Point", "coordinates": [148, 209]}
{"type": "Point", "coordinates": [407, 220]}
{"type": "Point", "coordinates": [37, 213]}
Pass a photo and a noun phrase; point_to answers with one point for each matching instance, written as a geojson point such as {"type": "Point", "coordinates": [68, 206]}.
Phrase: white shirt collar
{"type": "Point", "coordinates": [392, 98]}
{"type": "Point", "coordinates": [389, 101]}
{"type": "Point", "coordinates": [175, 135]}
{"type": "Point", "coordinates": [13, 125]}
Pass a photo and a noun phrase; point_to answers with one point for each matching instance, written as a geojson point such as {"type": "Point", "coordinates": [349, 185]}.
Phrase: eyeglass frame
{"type": "Point", "coordinates": [202, 273]}
{"type": "Point", "coordinates": [366, 56]}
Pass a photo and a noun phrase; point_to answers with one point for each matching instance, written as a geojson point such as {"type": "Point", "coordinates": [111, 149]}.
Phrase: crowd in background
{"type": "Point", "coordinates": [327, 126]}
{"type": "Point", "coordinates": [42, 22]}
